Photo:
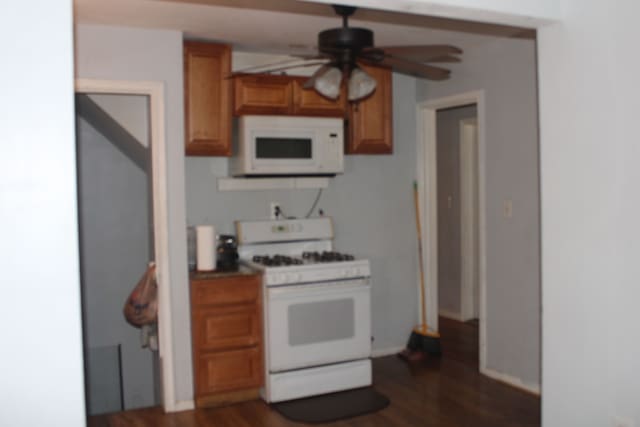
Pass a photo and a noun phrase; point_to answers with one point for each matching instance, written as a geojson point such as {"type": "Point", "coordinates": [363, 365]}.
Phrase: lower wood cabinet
{"type": "Point", "coordinates": [226, 327]}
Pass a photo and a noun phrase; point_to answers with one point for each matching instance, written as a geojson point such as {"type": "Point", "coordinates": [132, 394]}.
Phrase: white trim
{"type": "Point", "coordinates": [246, 184]}
{"type": "Point", "coordinates": [183, 405]}
{"type": "Point", "coordinates": [450, 314]}
{"type": "Point", "coordinates": [155, 91]}
{"type": "Point", "coordinates": [512, 381]}
{"type": "Point", "coordinates": [389, 351]}
{"type": "Point", "coordinates": [468, 218]}
{"type": "Point", "coordinates": [427, 184]}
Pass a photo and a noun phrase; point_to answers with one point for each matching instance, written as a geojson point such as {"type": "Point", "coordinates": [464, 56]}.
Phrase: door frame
{"type": "Point", "coordinates": [426, 174]}
{"type": "Point", "coordinates": [157, 140]}
{"type": "Point", "coordinates": [468, 218]}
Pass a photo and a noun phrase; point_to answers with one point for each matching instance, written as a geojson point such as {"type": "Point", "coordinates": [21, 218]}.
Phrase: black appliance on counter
{"type": "Point", "coordinates": [227, 253]}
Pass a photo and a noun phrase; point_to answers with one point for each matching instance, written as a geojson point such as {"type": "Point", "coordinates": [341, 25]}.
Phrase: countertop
{"type": "Point", "coordinates": [215, 274]}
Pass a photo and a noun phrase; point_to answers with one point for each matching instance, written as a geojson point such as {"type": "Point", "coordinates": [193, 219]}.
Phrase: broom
{"type": "Point", "coordinates": [422, 341]}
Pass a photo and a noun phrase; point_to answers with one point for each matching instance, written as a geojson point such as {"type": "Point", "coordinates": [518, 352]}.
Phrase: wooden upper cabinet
{"type": "Point", "coordinates": [371, 120]}
{"type": "Point", "coordinates": [262, 94]}
{"type": "Point", "coordinates": [308, 102]}
{"type": "Point", "coordinates": [207, 99]}
{"type": "Point", "coordinates": [282, 95]}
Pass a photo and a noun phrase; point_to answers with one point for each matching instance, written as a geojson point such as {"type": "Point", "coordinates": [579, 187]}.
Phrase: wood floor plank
{"type": "Point", "coordinates": [446, 392]}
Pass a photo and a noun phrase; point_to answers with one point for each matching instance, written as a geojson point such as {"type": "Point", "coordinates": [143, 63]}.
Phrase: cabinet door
{"type": "Point", "coordinates": [308, 102]}
{"type": "Point", "coordinates": [370, 120]}
{"type": "Point", "coordinates": [262, 94]}
{"type": "Point", "coordinates": [207, 99]}
{"type": "Point", "coordinates": [229, 370]}
{"type": "Point", "coordinates": [227, 327]}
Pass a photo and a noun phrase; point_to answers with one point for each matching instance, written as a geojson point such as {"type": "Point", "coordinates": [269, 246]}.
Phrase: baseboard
{"type": "Point", "coordinates": [184, 405]}
{"type": "Point", "coordinates": [450, 314]}
{"type": "Point", "coordinates": [512, 381]}
{"type": "Point", "coordinates": [381, 352]}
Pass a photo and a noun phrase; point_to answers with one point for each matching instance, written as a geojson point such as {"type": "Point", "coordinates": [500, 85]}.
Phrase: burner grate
{"type": "Point", "coordinates": [306, 258]}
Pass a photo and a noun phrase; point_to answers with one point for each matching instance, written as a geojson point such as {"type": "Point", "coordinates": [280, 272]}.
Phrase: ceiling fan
{"type": "Point", "coordinates": [342, 50]}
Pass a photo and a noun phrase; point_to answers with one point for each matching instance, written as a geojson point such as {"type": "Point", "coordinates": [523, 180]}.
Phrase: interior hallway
{"type": "Point", "coordinates": [449, 392]}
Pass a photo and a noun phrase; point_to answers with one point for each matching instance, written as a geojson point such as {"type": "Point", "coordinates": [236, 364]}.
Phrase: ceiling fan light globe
{"type": "Point", "coordinates": [328, 84]}
{"type": "Point", "coordinates": [361, 84]}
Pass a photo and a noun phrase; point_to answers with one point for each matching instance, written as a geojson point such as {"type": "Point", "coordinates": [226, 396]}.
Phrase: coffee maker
{"type": "Point", "coordinates": [227, 253]}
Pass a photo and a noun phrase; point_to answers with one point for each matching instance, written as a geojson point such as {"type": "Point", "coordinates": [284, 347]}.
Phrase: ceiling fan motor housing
{"type": "Point", "coordinates": [346, 38]}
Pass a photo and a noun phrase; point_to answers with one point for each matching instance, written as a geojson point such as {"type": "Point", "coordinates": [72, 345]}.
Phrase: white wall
{"type": "Point", "coordinates": [130, 111]}
{"type": "Point", "coordinates": [589, 103]}
{"type": "Point", "coordinates": [372, 207]}
{"type": "Point", "coordinates": [506, 70]}
{"type": "Point", "coordinates": [527, 13]}
{"type": "Point", "coordinates": [41, 378]}
{"type": "Point", "coordinates": [133, 54]}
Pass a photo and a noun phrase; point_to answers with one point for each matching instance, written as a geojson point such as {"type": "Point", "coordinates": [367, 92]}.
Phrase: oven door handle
{"type": "Point", "coordinates": [317, 289]}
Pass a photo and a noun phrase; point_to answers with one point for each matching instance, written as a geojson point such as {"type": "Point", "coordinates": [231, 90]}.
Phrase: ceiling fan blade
{"type": "Point", "coordinates": [421, 53]}
{"type": "Point", "coordinates": [312, 80]}
{"type": "Point", "coordinates": [444, 58]}
{"type": "Point", "coordinates": [266, 69]}
{"type": "Point", "coordinates": [413, 68]}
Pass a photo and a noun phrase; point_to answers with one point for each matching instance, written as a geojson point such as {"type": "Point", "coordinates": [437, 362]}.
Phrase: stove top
{"type": "Point", "coordinates": [315, 257]}
{"type": "Point", "coordinates": [296, 252]}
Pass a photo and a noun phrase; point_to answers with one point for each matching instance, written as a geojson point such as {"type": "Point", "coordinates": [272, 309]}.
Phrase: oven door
{"type": "Point", "coordinates": [318, 324]}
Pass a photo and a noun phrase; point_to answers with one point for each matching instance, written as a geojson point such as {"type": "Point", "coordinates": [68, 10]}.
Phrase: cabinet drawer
{"type": "Point", "coordinates": [221, 291]}
{"type": "Point", "coordinates": [227, 327]}
{"type": "Point", "coordinates": [229, 370]}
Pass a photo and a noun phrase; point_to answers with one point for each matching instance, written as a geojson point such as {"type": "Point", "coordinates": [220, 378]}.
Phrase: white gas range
{"type": "Point", "coordinates": [317, 308]}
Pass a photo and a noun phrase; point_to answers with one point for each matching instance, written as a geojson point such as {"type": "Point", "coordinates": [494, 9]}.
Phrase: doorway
{"type": "Point", "coordinates": [154, 91]}
{"type": "Point", "coordinates": [456, 150]}
{"type": "Point", "coordinates": [451, 172]}
{"type": "Point", "coordinates": [116, 244]}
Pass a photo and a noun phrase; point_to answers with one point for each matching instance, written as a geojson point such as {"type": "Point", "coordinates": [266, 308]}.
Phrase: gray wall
{"type": "Point", "coordinates": [153, 55]}
{"type": "Point", "coordinates": [115, 233]}
{"type": "Point", "coordinates": [372, 206]}
{"type": "Point", "coordinates": [506, 70]}
{"type": "Point", "coordinates": [449, 244]}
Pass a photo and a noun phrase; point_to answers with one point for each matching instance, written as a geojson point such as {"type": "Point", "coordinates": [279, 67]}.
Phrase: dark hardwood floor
{"type": "Point", "coordinates": [444, 392]}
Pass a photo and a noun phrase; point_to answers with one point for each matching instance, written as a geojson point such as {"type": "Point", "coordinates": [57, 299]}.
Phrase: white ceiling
{"type": "Point", "coordinates": [280, 26]}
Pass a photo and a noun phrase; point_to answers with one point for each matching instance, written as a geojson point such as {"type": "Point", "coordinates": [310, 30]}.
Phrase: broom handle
{"type": "Point", "coordinates": [423, 312]}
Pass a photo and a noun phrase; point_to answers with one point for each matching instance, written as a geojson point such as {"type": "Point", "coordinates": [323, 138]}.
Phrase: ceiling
{"type": "Point", "coordinates": [284, 26]}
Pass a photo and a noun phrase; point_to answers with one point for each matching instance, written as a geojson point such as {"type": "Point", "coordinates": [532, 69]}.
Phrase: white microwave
{"type": "Point", "coordinates": [287, 146]}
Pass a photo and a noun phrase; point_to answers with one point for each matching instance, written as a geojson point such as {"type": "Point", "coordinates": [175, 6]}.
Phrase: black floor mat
{"type": "Point", "coordinates": [334, 406]}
